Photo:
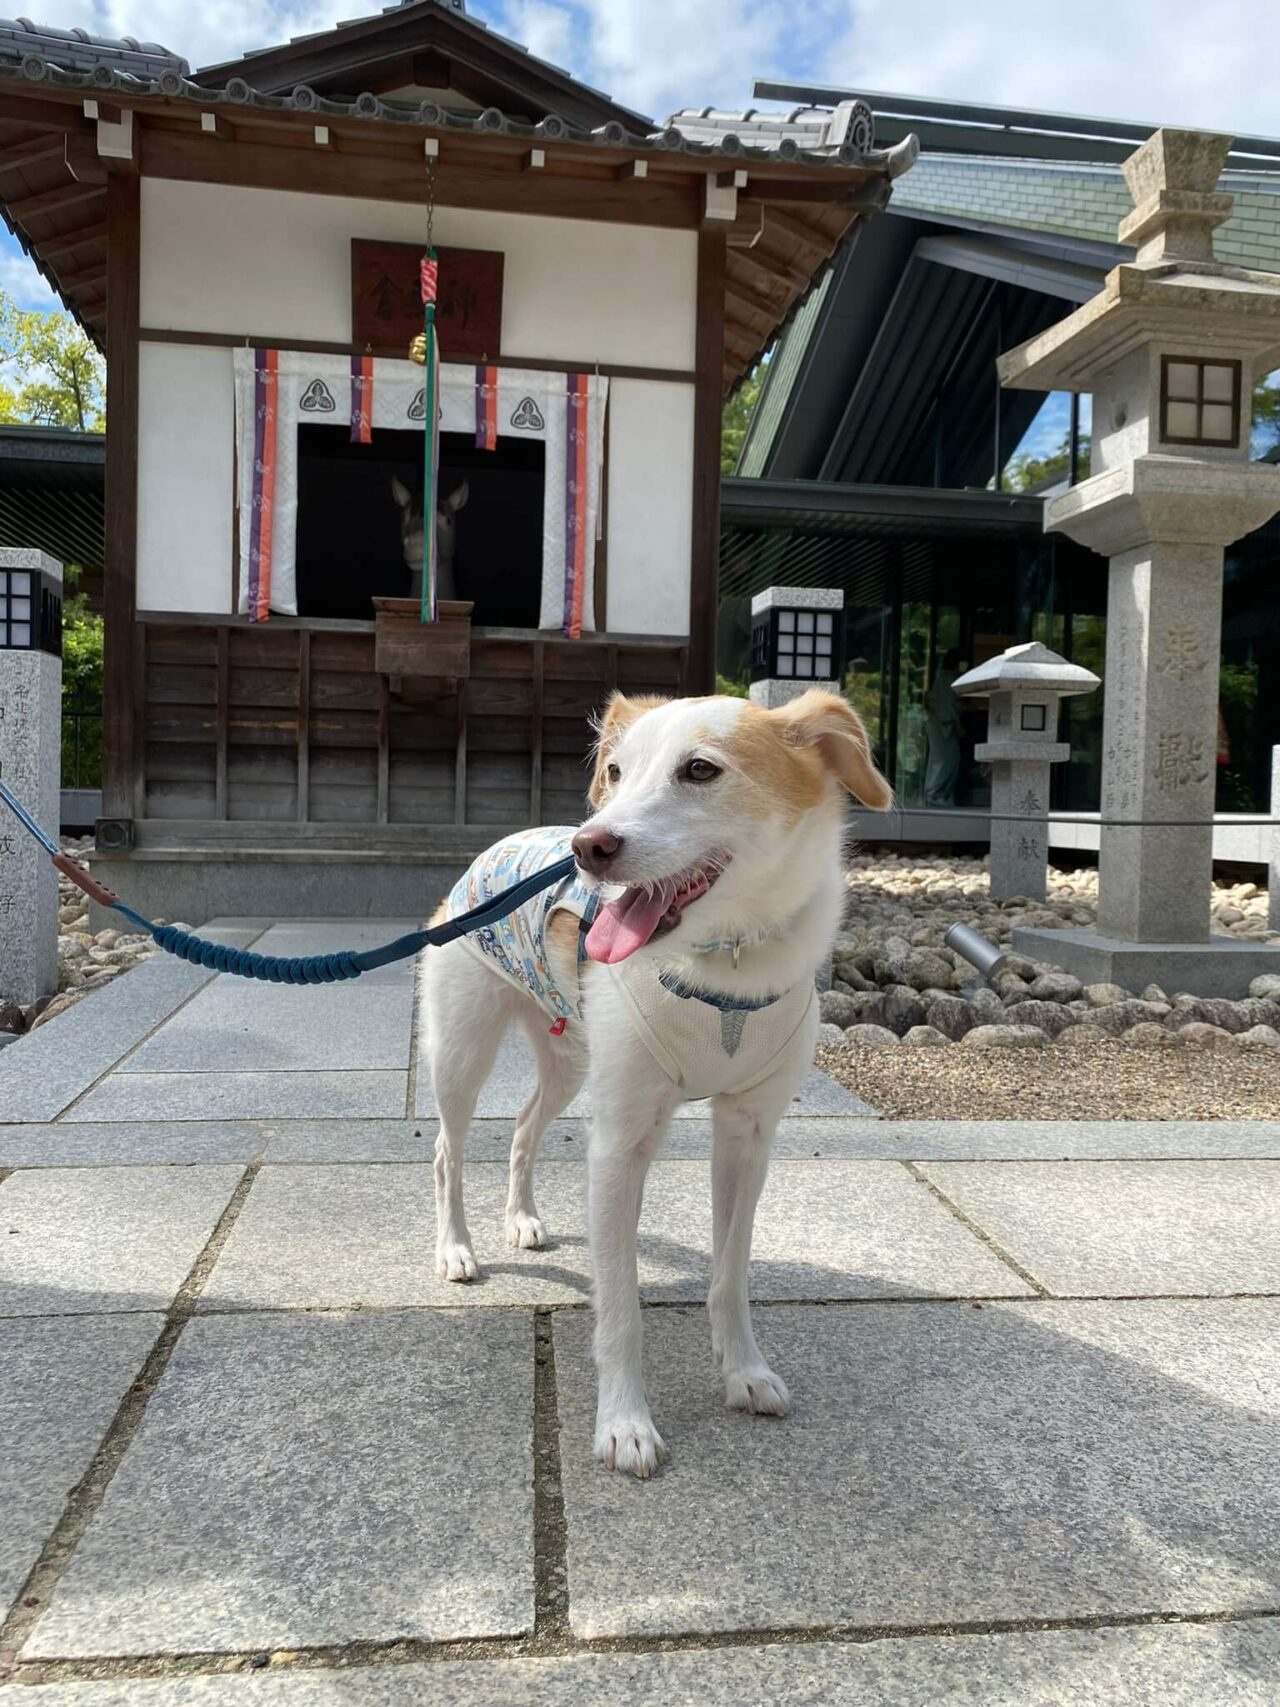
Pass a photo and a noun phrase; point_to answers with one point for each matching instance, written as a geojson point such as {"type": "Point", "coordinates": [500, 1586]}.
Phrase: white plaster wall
{"type": "Point", "coordinates": [277, 264]}
{"type": "Point", "coordinates": [186, 446]}
{"type": "Point", "coordinates": [650, 517]}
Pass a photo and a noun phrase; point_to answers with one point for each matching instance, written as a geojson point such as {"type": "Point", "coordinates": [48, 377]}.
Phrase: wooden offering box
{"type": "Point", "coordinates": [404, 645]}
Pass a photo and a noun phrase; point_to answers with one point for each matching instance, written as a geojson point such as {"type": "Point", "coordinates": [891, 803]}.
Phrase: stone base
{"type": "Point", "coordinates": [195, 889]}
{"type": "Point", "coordinates": [1222, 966]}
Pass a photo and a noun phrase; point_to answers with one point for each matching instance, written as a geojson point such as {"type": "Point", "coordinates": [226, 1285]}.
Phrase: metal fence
{"type": "Point", "coordinates": [82, 742]}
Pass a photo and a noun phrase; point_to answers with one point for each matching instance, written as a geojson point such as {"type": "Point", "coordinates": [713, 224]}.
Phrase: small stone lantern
{"type": "Point", "coordinates": [795, 642]}
{"type": "Point", "coordinates": [1025, 686]}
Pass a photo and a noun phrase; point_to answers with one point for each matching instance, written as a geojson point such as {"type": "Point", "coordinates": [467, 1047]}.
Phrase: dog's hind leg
{"type": "Point", "coordinates": [467, 1011]}
{"type": "Point", "coordinates": [561, 1066]}
{"type": "Point", "coordinates": [743, 1127]}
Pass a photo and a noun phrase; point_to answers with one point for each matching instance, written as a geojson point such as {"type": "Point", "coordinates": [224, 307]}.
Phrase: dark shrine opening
{"type": "Point", "coordinates": [349, 545]}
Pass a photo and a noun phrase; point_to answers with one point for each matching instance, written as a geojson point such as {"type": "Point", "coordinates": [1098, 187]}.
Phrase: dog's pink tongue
{"type": "Point", "coordinates": [624, 925]}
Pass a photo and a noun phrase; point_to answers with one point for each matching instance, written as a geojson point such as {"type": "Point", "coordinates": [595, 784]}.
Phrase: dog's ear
{"type": "Point", "coordinates": [400, 492]}
{"type": "Point", "coordinates": [830, 724]}
{"type": "Point", "coordinates": [618, 715]}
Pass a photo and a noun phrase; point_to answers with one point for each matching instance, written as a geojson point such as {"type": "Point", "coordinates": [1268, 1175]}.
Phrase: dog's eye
{"type": "Point", "coordinates": [701, 770]}
{"type": "Point", "coordinates": [613, 773]}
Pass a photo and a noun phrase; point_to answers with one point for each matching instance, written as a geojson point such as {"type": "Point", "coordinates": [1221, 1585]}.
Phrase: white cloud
{"type": "Point", "coordinates": [208, 33]}
{"type": "Point", "coordinates": [1164, 61]}
{"type": "Point", "coordinates": [1182, 63]}
{"type": "Point", "coordinates": [20, 280]}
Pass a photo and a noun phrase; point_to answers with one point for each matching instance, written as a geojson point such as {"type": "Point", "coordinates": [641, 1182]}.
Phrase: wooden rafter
{"type": "Point", "coordinates": [773, 267]}
{"type": "Point", "coordinates": [55, 250]}
{"type": "Point", "coordinates": [809, 236]}
{"type": "Point", "coordinates": [25, 154]}
{"type": "Point", "coordinates": [52, 201]}
{"type": "Point", "coordinates": [752, 299]}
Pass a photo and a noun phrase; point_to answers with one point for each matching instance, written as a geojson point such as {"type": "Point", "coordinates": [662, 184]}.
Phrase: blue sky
{"type": "Point", "coordinates": [1163, 61]}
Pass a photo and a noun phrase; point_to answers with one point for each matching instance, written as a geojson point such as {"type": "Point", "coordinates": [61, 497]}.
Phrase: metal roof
{"type": "Point", "coordinates": [51, 492]}
{"type": "Point", "coordinates": [77, 50]}
{"type": "Point", "coordinates": [963, 126]}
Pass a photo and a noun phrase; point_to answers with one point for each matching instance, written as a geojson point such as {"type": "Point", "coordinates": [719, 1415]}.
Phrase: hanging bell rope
{"type": "Point", "coordinates": [425, 350]}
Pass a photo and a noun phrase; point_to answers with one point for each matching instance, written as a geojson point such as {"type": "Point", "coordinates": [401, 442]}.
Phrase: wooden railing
{"type": "Point", "coordinates": [287, 726]}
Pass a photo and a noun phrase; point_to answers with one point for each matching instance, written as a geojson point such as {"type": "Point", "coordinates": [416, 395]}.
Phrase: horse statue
{"type": "Point", "coordinates": [446, 536]}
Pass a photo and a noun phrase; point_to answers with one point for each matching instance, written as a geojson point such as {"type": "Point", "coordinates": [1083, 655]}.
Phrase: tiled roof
{"type": "Point", "coordinates": [1082, 201]}
{"type": "Point", "coordinates": [807, 128]}
{"type": "Point", "coordinates": [760, 142]}
{"type": "Point", "coordinates": [457, 7]}
{"type": "Point", "coordinates": [77, 50]}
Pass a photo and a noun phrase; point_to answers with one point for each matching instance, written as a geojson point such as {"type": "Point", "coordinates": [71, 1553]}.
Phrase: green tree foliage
{"type": "Point", "coordinates": [1266, 414]}
{"type": "Point", "coordinates": [737, 418]}
{"type": "Point", "coordinates": [50, 374]}
{"type": "Point", "coordinates": [82, 634]}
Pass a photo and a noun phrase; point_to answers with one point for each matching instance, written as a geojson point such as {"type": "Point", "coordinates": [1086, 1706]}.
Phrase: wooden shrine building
{"type": "Point", "coordinates": [243, 242]}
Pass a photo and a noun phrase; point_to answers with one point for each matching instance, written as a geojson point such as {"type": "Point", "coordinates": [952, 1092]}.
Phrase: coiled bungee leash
{"type": "Point", "coordinates": [274, 969]}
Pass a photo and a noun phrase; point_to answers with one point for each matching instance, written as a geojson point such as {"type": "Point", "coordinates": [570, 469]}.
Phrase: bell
{"type": "Point", "coordinates": [418, 350]}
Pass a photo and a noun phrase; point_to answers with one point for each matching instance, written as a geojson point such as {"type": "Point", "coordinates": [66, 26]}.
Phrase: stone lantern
{"type": "Point", "coordinates": [30, 763]}
{"type": "Point", "coordinates": [1024, 686]}
{"type": "Point", "coordinates": [1169, 348]}
{"type": "Point", "coordinates": [795, 642]}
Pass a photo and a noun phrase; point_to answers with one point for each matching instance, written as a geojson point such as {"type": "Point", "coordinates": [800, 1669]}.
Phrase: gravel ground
{"type": "Point", "coordinates": [1093, 1081]}
{"type": "Point", "coordinates": [86, 962]}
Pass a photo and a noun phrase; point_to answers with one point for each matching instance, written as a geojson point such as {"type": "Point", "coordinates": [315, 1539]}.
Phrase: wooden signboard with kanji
{"type": "Point", "coordinates": [386, 300]}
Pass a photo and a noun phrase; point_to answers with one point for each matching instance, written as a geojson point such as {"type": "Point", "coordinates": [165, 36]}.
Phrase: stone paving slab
{"type": "Point", "coordinates": [61, 1383]}
{"type": "Point", "coordinates": [245, 1096]}
{"type": "Point", "coordinates": [79, 1240]}
{"type": "Point", "coordinates": [141, 1143]}
{"type": "Point", "coordinates": [302, 1480]}
{"type": "Point", "coordinates": [941, 1464]}
{"type": "Point", "coordinates": [235, 1027]}
{"type": "Point", "coordinates": [47, 1070]}
{"type": "Point", "coordinates": [1119, 1228]}
{"type": "Point", "coordinates": [513, 1077]}
{"type": "Point", "coordinates": [1050, 1140]}
{"type": "Point", "coordinates": [328, 936]}
{"type": "Point", "coordinates": [1187, 1665]}
{"type": "Point", "coordinates": [847, 1137]}
{"type": "Point", "coordinates": [334, 1237]}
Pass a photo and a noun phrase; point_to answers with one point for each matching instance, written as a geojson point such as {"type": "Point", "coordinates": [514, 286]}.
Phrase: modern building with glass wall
{"type": "Point", "coordinates": [883, 458]}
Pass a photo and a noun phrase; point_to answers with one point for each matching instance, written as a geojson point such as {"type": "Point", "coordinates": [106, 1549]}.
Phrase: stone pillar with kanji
{"type": "Point", "coordinates": [1169, 349]}
{"type": "Point", "coordinates": [31, 766]}
{"type": "Point", "coordinates": [1024, 687]}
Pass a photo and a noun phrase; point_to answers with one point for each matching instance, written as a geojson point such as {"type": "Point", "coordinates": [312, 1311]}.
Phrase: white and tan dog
{"type": "Point", "coordinates": [712, 888]}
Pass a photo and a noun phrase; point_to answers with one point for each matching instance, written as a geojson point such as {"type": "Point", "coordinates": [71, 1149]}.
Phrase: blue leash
{"type": "Point", "coordinates": [309, 969]}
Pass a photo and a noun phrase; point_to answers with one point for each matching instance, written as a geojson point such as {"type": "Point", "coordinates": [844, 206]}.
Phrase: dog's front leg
{"type": "Point", "coordinates": [743, 1128]}
{"type": "Point", "coordinates": [631, 1112]}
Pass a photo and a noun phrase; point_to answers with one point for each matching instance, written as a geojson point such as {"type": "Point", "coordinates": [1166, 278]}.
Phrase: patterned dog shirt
{"type": "Point", "coordinates": [709, 1044]}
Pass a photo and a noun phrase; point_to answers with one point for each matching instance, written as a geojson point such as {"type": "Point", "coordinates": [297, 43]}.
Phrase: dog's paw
{"type": "Point", "coordinates": [455, 1260]}
{"type": "Point", "coordinates": [525, 1232]}
{"type": "Point", "coordinates": [632, 1445]}
{"type": "Point", "coordinates": [757, 1390]}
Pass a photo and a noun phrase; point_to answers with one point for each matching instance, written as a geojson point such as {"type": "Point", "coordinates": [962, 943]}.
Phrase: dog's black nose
{"type": "Point", "coordinates": [595, 850]}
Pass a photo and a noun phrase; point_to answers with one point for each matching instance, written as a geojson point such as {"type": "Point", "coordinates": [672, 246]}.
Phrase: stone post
{"type": "Point", "coordinates": [1025, 687]}
{"type": "Point", "coordinates": [1169, 349]}
{"type": "Point", "coordinates": [31, 765]}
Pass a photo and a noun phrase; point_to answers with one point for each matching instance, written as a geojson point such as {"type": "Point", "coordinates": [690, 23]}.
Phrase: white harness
{"type": "Point", "coordinates": [708, 1044]}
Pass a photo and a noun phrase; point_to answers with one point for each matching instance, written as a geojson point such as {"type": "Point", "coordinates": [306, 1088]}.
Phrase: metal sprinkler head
{"type": "Point", "coordinates": [984, 955]}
